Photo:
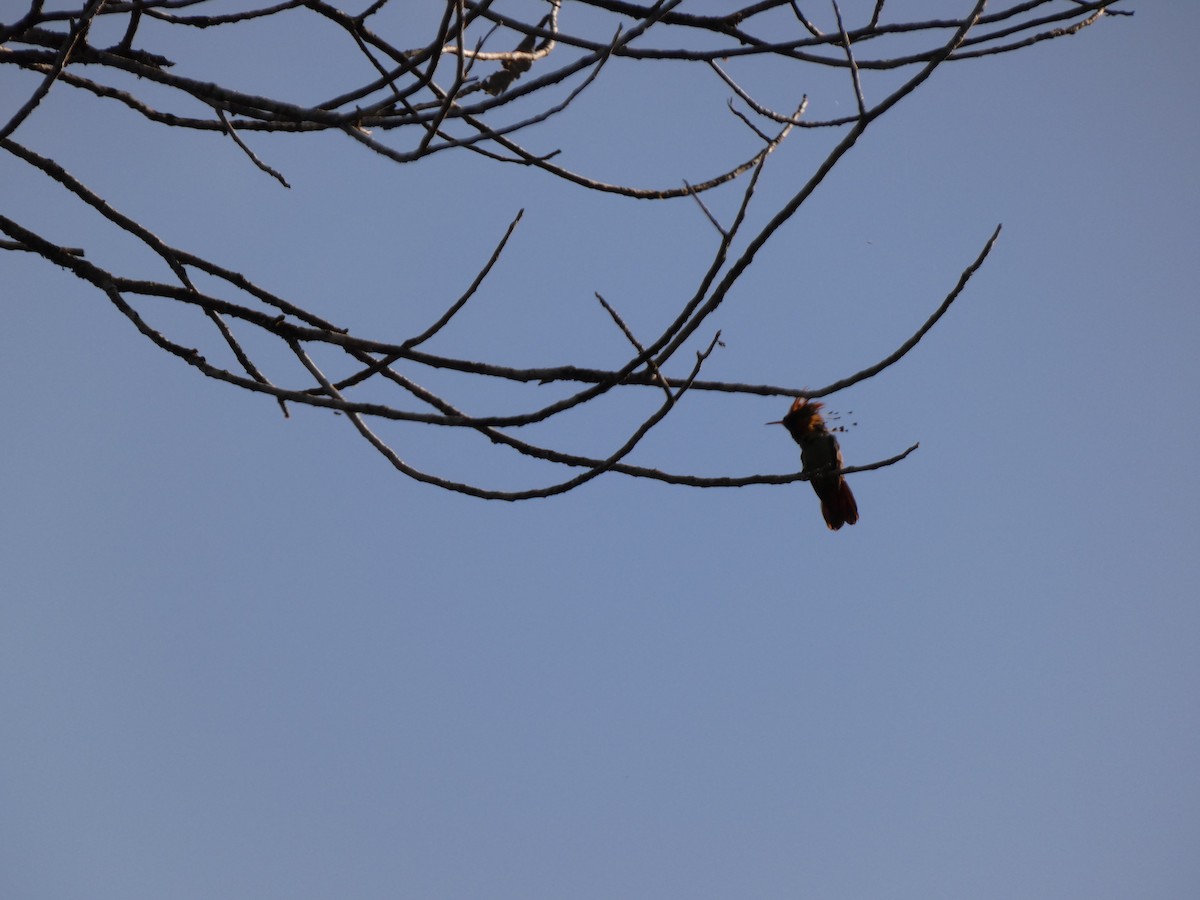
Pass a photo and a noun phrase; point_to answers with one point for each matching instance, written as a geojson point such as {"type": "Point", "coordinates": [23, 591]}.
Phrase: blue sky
{"type": "Point", "coordinates": [240, 656]}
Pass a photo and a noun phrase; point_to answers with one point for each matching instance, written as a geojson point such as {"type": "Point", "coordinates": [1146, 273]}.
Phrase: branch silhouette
{"type": "Point", "coordinates": [487, 82]}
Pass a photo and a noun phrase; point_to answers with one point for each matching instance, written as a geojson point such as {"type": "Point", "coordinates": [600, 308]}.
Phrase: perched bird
{"type": "Point", "coordinates": [821, 458]}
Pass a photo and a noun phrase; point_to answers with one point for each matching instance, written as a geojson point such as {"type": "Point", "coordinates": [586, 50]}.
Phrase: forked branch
{"type": "Point", "coordinates": [504, 84]}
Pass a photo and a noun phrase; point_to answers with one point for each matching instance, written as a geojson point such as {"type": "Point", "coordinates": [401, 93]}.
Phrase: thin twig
{"type": "Point", "coordinates": [76, 35]}
{"type": "Point", "coordinates": [232, 132]}
{"type": "Point", "coordinates": [655, 373]}
{"type": "Point", "coordinates": [704, 209]}
{"type": "Point", "coordinates": [858, 92]}
{"type": "Point", "coordinates": [904, 348]}
{"type": "Point", "coordinates": [876, 14]}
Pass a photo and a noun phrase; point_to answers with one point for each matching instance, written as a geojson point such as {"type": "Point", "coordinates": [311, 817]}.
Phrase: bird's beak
{"type": "Point", "coordinates": [776, 422]}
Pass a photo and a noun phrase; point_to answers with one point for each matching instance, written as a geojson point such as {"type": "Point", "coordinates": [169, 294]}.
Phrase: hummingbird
{"type": "Point", "coordinates": [821, 459]}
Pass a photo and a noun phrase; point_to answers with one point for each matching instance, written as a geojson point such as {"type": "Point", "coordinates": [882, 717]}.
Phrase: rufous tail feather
{"type": "Point", "coordinates": [838, 506]}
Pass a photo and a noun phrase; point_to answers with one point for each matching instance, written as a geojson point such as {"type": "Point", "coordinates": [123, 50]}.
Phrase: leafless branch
{"type": "Point", "coordinates": [497, 80]}
{"type": "Point", "coordinates": [854, 76]}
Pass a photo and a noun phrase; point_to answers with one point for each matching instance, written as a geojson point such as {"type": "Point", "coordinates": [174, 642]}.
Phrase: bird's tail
{"type": "Point", "coordinates": [838, 506]}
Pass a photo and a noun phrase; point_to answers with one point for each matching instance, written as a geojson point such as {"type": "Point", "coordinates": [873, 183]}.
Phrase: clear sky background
{"type": "Point", "coordinates": [240, 656]}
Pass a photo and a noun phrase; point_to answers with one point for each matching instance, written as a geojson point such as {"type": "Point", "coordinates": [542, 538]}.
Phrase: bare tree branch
{"type": "Point", "coordinates": [495, 79]}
